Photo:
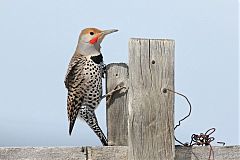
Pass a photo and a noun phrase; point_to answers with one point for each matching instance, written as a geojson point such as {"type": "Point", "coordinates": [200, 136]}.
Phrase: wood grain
{"type": "Point", "coordinates": [202, 153]}
{"type": "Point", "coordinates": [110, 153]}
{"type": "Point", "coordinates": [40, 153]}
{"type": "Point", "coordinates": [117, 110]}
{"type": "Point", "coordinates": [151, 68]}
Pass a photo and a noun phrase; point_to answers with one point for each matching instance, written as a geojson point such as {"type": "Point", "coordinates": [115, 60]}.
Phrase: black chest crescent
{"type": "Point", "coordinates": [97, 59]}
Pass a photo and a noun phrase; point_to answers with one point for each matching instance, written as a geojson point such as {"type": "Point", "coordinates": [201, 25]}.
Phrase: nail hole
{"type": "Point", "coordinates": [153, 62]}
{"type": "Point", "coordinates": [164, 90]}
{"type": "Point", "coordinates": [116, 75]}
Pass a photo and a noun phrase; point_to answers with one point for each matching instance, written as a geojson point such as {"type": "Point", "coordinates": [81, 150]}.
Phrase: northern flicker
{"type": "Point", "coordinates": [84, 80]}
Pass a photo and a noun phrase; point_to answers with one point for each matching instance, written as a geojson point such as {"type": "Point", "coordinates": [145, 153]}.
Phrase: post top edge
{"type": "Point", "coordinates": [117, 64]}
{"type": "Point", "coordinates": [155, 39]}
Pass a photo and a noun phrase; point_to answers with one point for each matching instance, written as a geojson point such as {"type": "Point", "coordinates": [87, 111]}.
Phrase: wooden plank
{"type": "Point", "coordinates": [110, 153]}
{"type": "Point", "coordinates": [117, 111]}
{"type": "Point", "coordinates": [151, 68]}
{"type": "Point", "coordinates": [39, 153]}
{"type": "Point", "coordinates": [202, 153]}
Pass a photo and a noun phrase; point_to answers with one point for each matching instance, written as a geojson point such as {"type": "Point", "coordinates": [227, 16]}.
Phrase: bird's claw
{"type": "Point", "coordinates": [118, 87]}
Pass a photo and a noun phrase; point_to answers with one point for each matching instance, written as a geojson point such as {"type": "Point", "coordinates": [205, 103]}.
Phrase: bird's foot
{"type": "Point", "coordinates": [118, 88]}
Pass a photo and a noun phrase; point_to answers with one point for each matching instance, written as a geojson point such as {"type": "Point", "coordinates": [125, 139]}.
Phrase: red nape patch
{"type": "Point", "coordinates": [94, 40]}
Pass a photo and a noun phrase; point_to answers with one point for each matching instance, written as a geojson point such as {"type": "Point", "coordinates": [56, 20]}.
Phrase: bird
{"type": "Point", "coordinates": [83, 80]}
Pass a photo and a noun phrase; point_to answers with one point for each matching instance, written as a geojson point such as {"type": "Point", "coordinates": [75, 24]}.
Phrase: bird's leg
{"type": "Point", "coordinates": [91, 120]}
{"type": "Point", "coordinates": [118, 87]}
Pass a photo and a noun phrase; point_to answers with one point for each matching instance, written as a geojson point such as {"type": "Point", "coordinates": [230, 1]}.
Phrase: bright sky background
{"type": "Point", "coordinates": [39, 37]}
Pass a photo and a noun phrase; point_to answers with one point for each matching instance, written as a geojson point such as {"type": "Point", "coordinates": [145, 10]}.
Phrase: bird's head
{"type": "Point", "coordinates": [91, 38]}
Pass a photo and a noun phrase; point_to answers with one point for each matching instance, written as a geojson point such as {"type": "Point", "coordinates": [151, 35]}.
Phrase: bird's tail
{"type": "Point", "coordinates": [71, 125]}
{"type": "Point", "coordinates": [72, 112]}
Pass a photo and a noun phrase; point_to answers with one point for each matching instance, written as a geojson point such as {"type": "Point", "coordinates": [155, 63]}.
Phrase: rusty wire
{"type": "Point", "coordinates": [189, 113]}
{"type": "Point", "coordinates": [202, 139]}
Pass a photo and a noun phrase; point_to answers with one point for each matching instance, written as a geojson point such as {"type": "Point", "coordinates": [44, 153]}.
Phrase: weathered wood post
{"type": "Point", "coordinates": [151, 68]}
{"type": "Point", "coordinates": [117, 110]}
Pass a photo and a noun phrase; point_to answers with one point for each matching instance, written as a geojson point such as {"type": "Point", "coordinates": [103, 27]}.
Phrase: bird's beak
{"type": "Point", "coordinates": [105, 32]}
{"type": "Point", "coordinates": [101, 35]}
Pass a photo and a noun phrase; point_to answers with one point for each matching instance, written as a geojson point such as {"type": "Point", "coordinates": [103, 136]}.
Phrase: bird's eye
{"type": "Point", "coordinates": [91, 33]}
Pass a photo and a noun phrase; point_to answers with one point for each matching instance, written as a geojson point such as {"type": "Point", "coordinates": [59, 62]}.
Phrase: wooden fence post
{"type": "Point", "coordinates": [117, 110]}
{"type": "Point", "coordinates": [151, 68]}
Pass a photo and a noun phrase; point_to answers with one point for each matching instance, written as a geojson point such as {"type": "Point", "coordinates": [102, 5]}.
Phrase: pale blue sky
{"type": "Point", "coordinates": [38, 39]}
